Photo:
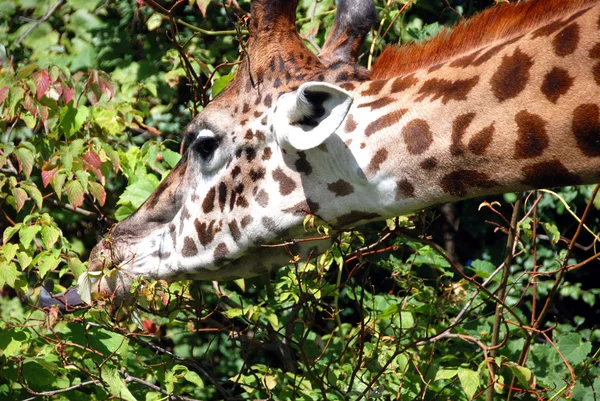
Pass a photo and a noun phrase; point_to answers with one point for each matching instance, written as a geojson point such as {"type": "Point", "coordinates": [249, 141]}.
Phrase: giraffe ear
{"type": "Point", "coordinates": [307, 117]}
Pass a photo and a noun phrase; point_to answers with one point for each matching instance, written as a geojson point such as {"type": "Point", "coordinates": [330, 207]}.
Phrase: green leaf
{"type": "Point", "coordinates": [221, 83]}
{"type": "Point", "coordinates": [84, 287]}
{"type": "Point", "coordinates": [194, 378]}
{"type": "Point", "coordinates": [552, 231]}
{"type": "Point", "coordinates": [8, 274]}
{"type": "Point", "coordinates": [27, 233]}
{"type": "Point", "coordinates": [25, 159]}
{"type": "Point", "coordinates": [445, 374]}
{"type": "Point", "coordinates": [573, 349]}
{"type": "Point", "coordinates": [482, 268]}
{"type": "Point", "coordinates": [273, 320]}
{"type": "Point", "coordinates": [10, 231]}
{"type": "Point", "coordinates": [47, 263]}
{"type": "Point", "coordinates": [116, 384]}
{"type": "Point", "coordinates": [74, 193]}
{"type": "Point", "coordinates": [9, 250]}
{"type": "Point", "coordinates": [524, 375]}
{"type": "Point", "coordinates": [24, 260]}
{"type": "Point", "coordinates": [139, 191]}
{"type": "Point", "coordinates": [76, 266]}
{"type": "Point", "coordinates": [108, 121]}
{"type": "Point", "coordinates": [154, 22]}
{"type": "Point", "coordinates": [13, 342]}
{"type": "Point", "coordinates": [50, 235]}
{"type": "Point", "coordinates": [469, 381]}
{"type": "Point", "coordinates": [72, 119]}
{"type": "Point", "coordinates": [20, 197]}
{"type": "Point", "coordinates": [172, 158]}
{"type": "Point", "coordinates": [15, 95]}
{"type": "Point", "coordinates": [33, 192]}
{"type": "Point", "coordinates": [98, 192]}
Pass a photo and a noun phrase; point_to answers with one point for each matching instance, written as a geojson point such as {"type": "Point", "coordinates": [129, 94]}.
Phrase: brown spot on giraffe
{"type": "Point", "coordinates": [374, 88]}
{"type": "Point", "coordinates": [404, 189]}
{"type": "Point", "coordinates": [268, 101]}
{"type": "Point", "coordinates": [221, 252]}
{"type": "Point", "coordinates": [209, 201]}
{"type": "Point", "coordinates": [306, 206]}
{"type": "Point", "coordinates": [556, 83]}
{"type": "Point", "coordinates": [512, 75]}
{"type": "Point", "coordinates": [234, 230]}
{"type": "Point", "coordinates": [286, 184]}
{"type": "Point", "coordinates": [403, 83]}
{"type": "Point", "coordinates": [206, 232]}
{"type": "Point", "coordinates": [446, 89]}
{"type": "Point", "coordinates": [429, 164]}
{"type": "Point", "coordinates": [354, 217]}
{"type": "Point", "coordinates": [222, 195]}
{"type": "Point", "coordinates": [596, 72]}
{"type": "Point", "coordinates": [377, 160]}
{"type": "Point", "coordinates": [458, 182]}
{"type": "Point", "coordinates": [532, 137]}
{"type": "Point", "coordinates": [189, 248]}
{"type": "Point", "coordinates": [341, 188]}
{"type": "Point", "coordinates": [262, 198]}
{"type": "Point", "coordinates": [417, 136]}
{"type": "Point", "coordinates": [566, 41]}
{"type": "Point", "coordinates": [269, 224]}
{"type": "Point", "coordinates": [377, 104]}
{"type": "Point", "coordinates": [550, 173]}
{"type": "Point", "coordinates": [257, 174]}
{"type": "Point", "coordinates": [481, 140]}
{"type": "Point", "coordinates": [246, 220]}
{"type": "Point", "coordinates": [267, 152]}
{"type": "Point", "coordinates": [385, 121]}
{"type": "Point", "coordinates": [236, 171]}
{"type": "Point", "coordinates": [302, 164]}
{"type": "Point", "coordinates": [350, 124]}
{"type": "Point", "coordinates": [465, 61]}
{"type": "Point", "coordinates": [586, 128]}
{"type": "Point", "coordinates": [459, 128]}
{"type": "Point", "coordinates": [551, 28]}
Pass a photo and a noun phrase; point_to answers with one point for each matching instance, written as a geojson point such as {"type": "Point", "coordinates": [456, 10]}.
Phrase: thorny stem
{"type": "Point", "coordinates": [510, 245]}
{"type": "Point", "coordinates": [554, 290]}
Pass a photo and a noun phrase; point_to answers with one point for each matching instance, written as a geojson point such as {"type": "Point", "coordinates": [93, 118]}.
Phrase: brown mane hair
{"type": "Point", "coordinates": [500, 22]}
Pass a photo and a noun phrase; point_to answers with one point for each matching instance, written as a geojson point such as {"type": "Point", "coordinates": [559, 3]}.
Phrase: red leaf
{"type": "Point", "coordinates": [29, 106]}
{"type": "Point", "coordinates": [3, 94]}
{"type": "Point", "coordinates": [67, 92]}
{"type": "Point", "coordinates": [140, 2]}
{"type": "Point", "coordinates": [149, 326]}
{"type": "Point", "coordinates": [203, 5]}
{"type": "Point", "coordinates": [48, 175]}
{"type": "Point", "coordinates": [106, 86]}
{"type": "Point", "coordinates": [74, 192]}
{"type": "Point", "coordinates": [92, 159]}
{"type": "Point", "coordinates": [98, 192]}
{"type": "Point", "coordinates": [42, 83]}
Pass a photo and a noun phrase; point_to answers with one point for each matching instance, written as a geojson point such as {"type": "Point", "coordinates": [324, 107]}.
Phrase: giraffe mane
{"type": "Point", "coordinates": [500, 22]}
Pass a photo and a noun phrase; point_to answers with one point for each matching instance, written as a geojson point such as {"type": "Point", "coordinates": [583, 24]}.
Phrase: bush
{"type": "Point", "coordinates": [93, 95]}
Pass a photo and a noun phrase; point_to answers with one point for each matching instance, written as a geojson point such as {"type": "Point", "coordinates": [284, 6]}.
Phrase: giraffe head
{"type": "Point", "coordinates": [244, 181]}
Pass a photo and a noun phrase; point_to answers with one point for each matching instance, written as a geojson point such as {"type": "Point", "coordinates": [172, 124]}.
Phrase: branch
{"type": "Point", "coordinates": [510, 248]}
{"type": "Point", "coordinates": [79, 210]}
{"type": "Point", "coordinates": [129, 378]}
{"type": "Point", "coordinates": [38, 22]}
{"type": "Point", "coordinates": [62, 390]}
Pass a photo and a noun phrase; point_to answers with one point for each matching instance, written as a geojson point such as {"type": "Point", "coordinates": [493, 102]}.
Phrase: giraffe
{"type": "Point", "coordinates": [506, 101]}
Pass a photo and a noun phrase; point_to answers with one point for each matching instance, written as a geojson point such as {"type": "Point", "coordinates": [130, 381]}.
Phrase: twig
{"type": "Point", "coordinates": [510, 246]}
{"type": "Point", "coordinates": [79, 210]}
{"type": "Point", "coordinates": [171, 396]}
{"type": "Point", "coordinates": [554, 289]}
{"type": "Point", "coordinates": [38, 22]}
{"type": "Point", "coordinates": [62, 390]}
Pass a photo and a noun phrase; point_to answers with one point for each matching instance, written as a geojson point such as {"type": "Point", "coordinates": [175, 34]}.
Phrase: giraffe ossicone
{"type": "Point", "coordinates": [505, 102]}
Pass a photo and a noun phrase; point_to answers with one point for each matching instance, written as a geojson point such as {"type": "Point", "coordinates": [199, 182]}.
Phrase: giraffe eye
{"type": "Point", "coordinates": [206, 146]}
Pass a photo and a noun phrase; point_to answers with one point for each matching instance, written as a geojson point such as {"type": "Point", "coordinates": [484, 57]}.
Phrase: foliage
{"type": "Point", "coordinates": [92, 97]}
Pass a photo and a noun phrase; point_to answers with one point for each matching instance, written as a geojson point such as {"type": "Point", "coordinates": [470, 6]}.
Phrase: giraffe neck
{"type": "Point", "coordinates": [513, 114]}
